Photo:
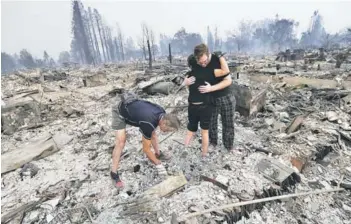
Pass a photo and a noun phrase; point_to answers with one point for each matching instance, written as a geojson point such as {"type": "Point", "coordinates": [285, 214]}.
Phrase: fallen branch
{"type": "Point", "coordinates": [178, 141]}
{"type": "Point", "coordinates": [257, 201]}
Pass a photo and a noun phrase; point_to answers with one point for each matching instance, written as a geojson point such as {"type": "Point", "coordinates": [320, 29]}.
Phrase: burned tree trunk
{"type": "Point", "coordinates": [144, 53]}
{"type": "Point", "coordinates": [97, 17]}
{"type": "Point", "coordinates": [150, 56]}
{"type": "Point", "coordinates": [120, 39]}
{"type": "Point", "coordinates": [80, 32]}
{"type": "Point", "coordinates": [170, 53]}
{"type": "Point", "coordinates": [94, 35]}
{"type": "Point", "coordinates": [340, 58]}
{"type": "Point", "coordinates": [110, 44]}
{"type": "Point", "coordinates": [120, 42]}
{"type": "Point", "coordinates": [116, 47]}
{"type": "Point", "coordinates": [152, 39]}
{"type": "Point", "coordinates": [88, 24]}
{"type": "Point", "coordinates": [104, 34]}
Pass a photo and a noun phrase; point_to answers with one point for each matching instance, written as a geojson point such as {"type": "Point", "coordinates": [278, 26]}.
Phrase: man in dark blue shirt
{"type": "Point", "coordinates": [147, 116]}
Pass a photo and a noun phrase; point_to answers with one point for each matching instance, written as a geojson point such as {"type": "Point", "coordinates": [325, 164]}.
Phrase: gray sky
{"type": "Point", "coordinates": [46, 25]}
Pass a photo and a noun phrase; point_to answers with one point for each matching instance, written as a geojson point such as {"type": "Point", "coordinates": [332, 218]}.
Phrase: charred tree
{"type": "Point", "coordinates": [150, 56]}
{"type": "Point", "coordinates": [98, 55]}
{"type": "Point", "coordinates": [99, 26]}
{"type": "Point", "coordinates": [120, 42]}
{"type": "Point", "coordinates": [79, 33]}
{"type": "Point", "coordinates": [146, 37]}
{"type": "Point", "coordinates": [170, 53]}
{"type": "Point", "coordinates": [104, 35]}
{"type": "Point", "coordinates": [141, 43]}
{"type": "Point", "coordinates": [115, 43]}
{"type": "Point", "coordinates": [152, 40]}
{"type": "Point", "coordinates": [110, 44]}
{"type": "Point", "coordinates": [87, 26]}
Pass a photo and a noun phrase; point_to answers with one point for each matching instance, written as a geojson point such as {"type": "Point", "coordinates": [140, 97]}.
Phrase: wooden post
{"type": "Point", "coordinates": [170, 53]}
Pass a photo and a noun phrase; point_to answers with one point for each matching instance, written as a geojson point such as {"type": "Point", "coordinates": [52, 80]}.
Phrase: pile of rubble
{"type": "Point", "coordinates": [293, 135]}
{"type": "Point", "coordinates": [336, 56]}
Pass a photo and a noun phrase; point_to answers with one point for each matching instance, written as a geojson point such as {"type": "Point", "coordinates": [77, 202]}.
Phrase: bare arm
{"type": "Point", "coordinates": [154, 142]}
{"type": "Point", "coordinates": [147, 151]}
{"type": "Point", "coordinates": [227, 81]}
{"type": "Point", "coordinates": [224, 68]}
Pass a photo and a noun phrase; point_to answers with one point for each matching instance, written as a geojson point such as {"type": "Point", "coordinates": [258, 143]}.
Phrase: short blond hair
{"type": "Point", "coordinates": [172, 121]}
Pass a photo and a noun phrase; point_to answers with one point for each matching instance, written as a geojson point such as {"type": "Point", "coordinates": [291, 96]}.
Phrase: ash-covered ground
{"type": "Point", "coordinates": [304, 125]}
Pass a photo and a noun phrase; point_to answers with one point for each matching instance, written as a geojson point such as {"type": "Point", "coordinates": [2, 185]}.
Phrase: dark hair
{"type": "Point", "coordinates": [191, 61]}
{"type": "Point", "coordinates": [200, 50]}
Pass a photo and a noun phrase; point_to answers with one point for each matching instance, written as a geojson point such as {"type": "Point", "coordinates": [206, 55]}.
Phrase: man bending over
{"type": "Point", "coordinates": [147, 116]}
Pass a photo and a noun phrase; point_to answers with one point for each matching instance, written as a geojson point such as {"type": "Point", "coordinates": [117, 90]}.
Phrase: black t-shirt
{"type": "Point", "coordinates": [142, 114]}
{"type": "Point", "coordinates": [202, 75]}
{"type": "Point", "coordinates": [206, 73]}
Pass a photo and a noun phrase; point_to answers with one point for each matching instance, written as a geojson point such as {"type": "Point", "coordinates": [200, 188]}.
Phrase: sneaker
{"type": "Point", "coordinates": [163, 156]}
{"type": "Point", "coordinates": [116, 180]}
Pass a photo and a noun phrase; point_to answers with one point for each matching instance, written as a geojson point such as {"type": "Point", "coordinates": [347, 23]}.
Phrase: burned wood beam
{"type": "Point", "coordinates": [43, 147]}
{"type": "Point", "coordinates": [168, 186]}
{"type": "Point", "coordinates": [215, 182]}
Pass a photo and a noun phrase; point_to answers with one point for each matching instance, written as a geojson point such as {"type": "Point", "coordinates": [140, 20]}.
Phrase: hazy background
{"type": "Point", "coordinates": [46, 25]}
